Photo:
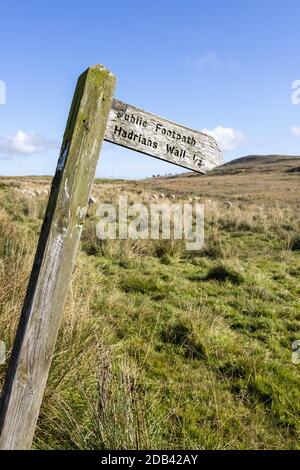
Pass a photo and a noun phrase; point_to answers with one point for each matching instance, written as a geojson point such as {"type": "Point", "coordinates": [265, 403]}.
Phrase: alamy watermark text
{"type": "Point", "coordinates": [154, 221]}
{"type": "Point", "coordinates": [2, 92]}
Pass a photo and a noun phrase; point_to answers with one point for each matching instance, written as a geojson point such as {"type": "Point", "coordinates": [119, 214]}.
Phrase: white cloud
{"type": "Point", "coordinates": [227, 137]}
{"type": "Point", "coordinates": [296, 130]}
{"type": "Point", "coordinates": [25, 143]}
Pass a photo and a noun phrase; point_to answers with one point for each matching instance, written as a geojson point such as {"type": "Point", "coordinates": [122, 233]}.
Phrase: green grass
{"type": "Point", "coordinates": [160, 348]}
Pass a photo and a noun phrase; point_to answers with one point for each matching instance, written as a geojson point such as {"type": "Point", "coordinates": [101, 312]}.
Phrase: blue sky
{"type": "Point", "coordinates": [226, 66]}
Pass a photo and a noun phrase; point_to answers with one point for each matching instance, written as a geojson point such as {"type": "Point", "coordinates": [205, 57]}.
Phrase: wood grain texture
{"type": "Point", "coordinates": [144, 132]}
{"type": "Point", "coordinates": [40, 318]}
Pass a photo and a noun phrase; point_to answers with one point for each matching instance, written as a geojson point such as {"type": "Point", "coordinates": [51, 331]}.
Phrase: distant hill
{"type": "Point", "coordinates": [252, 164]}
{"type": "Point", "coordinates": [258, 163]}
{"type": "Point", "coordinates": [269, 178]}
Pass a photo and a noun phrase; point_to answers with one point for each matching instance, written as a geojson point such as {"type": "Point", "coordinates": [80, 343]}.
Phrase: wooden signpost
{"type": "Point", "coordinates": [36, 335]}
{"type": "Point", "coordinates": [94, 116]}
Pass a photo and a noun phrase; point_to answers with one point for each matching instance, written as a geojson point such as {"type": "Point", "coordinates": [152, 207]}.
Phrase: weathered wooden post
{"type": "Point", "coordinates": [39, 323]}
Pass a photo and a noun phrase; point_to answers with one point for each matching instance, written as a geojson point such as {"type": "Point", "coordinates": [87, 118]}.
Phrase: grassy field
{"type": "Point", "coordinates": [161, 348]}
